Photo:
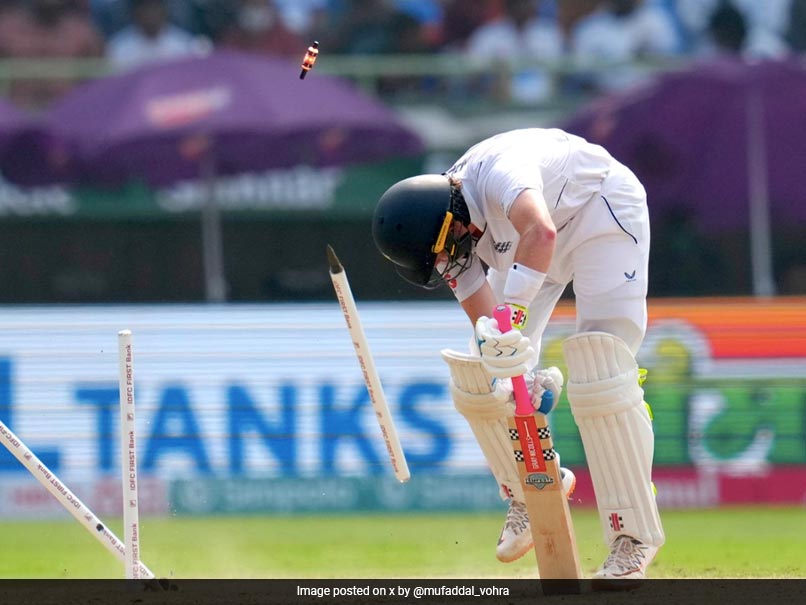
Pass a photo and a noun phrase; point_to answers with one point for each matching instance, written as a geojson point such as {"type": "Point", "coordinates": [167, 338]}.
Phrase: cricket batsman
{"type": "Point", "coordinates": [542, 208]}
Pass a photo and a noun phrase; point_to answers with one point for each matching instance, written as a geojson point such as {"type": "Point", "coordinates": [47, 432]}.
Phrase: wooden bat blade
{"type": "Point", "coordinates": [549, 516]}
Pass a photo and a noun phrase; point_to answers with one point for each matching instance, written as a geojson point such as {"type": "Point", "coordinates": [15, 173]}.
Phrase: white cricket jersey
{"type": "Point", "coordinates": [565, 169]}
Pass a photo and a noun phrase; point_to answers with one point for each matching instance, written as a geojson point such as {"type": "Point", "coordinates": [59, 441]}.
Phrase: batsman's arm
{"type": "Point", "coordinates": [479, 303]}
{"type": "Point", "coordinates": [531, 219]}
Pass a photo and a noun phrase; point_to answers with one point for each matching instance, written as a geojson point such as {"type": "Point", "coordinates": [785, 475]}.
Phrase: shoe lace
{"type": "Point", "coordinates": [628, 554]}
{"type": "Point", "coordinates": [517, 518]}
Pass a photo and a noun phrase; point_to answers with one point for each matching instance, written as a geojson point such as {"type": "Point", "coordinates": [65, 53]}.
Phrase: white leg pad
{"type": "Point", "coordinates": [486, 404]}
{"type": "Point", "coordinates": [608, 407]}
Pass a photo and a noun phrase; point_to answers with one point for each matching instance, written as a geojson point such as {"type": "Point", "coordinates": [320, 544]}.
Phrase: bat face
{"type": "Point", "coordinates": [549, 516]}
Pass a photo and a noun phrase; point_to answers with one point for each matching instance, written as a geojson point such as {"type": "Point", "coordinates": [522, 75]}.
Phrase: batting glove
{"type": "Point", "coordinates": [545, 386]}
{"type": "Point", "coordinates": [503, 355]}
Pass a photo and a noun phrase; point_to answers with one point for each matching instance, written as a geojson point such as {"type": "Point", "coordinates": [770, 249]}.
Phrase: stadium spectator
{"type": "Point", "coordinates": [726, 31]}
{"type": "Point", "coordinates": [209, 17]}
{"type": "Point", "coordinates": [46, 28]}
{"type": "Point", "coordinates": [796, 29]}
{"type": "Point", "coordinates": [308, 17]}
{"type": "Point", "coordinates": [428, 14]}
{"type": "Point", "coordinates": [259, 28]}
{"type": "Point", "coordinates": [516, 38]}
{"type": "Point", "coordinates": [413, 37]}
{"type": "Point", "coordinates": [363, 27]}
{"type": "Point", "coordinates": [570, 13]}
{"type": "Point", "coordinates": [461, 18]}
{"type": "Point", "coordinates": [151, 37]}
{"type": "Point", "coordinates": [622, 31]}
{"type": "Point", "coordinates": [729, 30]}
{"type": "Point", "coordinates": [111, 16]}
{"type": "Point", "coordinates": [765, 24]}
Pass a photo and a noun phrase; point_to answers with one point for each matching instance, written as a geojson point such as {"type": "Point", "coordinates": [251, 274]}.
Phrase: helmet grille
{"type": "Point", "coordinates": [459, 206]}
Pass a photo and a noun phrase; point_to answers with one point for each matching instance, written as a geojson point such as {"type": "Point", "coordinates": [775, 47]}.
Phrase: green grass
{"type": "Point", "coordinates": [723, 543]}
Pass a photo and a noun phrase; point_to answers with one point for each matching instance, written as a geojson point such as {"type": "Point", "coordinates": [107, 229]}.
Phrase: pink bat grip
{"type": "Point", "coordinates": [523, 401]}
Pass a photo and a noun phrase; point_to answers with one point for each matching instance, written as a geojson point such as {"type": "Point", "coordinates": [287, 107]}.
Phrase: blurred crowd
{"type": "Point", "coordinates": [128, 33]}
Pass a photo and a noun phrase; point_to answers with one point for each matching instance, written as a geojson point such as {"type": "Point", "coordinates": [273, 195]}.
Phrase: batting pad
{"type": "Point", "coordinates": [485, 404]}
{"type": "Point", "coordinates": [608, 407]}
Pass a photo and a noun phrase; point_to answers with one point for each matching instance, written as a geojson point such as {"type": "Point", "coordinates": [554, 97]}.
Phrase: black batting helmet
{"type": "Point", "coordinates": [413, 223]}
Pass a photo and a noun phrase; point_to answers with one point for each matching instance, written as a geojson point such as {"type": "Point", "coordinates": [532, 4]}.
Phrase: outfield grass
{"type": "Point", "coordinates": [724, 543]}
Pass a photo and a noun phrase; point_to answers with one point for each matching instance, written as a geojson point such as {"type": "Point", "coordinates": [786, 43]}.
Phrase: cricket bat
{"type": "Point", "coordinates": [539, 469]}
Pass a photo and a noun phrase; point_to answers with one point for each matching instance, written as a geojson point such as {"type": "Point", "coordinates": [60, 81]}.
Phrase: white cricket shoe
{"type": "Point", "coordinates": [516, 537]}
{"type": "Point", "coordinates": [627, 562]}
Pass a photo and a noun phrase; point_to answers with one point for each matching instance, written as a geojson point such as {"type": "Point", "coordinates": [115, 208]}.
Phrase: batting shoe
{"type": "Point", "coordinates": [516, 537]}
{"type": "Point", "coordinates": [625, 566]}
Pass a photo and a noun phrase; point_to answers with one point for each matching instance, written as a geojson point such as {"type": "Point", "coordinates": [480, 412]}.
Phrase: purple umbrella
{"type": "Point", "coordinates": [254, 112]}
{"type": "Point", "coordinates": [725, 139]}
{"type": "Point", "coordinates": [29, 154]}
{"type": "Point", "coordinates": [220, 114]}
{"type": "Point", "coordinates": [11, 119]}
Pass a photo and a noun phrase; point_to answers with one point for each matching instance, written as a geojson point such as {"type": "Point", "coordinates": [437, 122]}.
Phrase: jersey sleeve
{"type": "Point", "coordinates": [467, 283]}
{"type": "Point", "coordinates": [507, 177]}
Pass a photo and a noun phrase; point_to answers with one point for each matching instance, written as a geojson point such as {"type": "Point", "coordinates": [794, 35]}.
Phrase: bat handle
{"type": "Point", "coordinates": [523, 401]}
